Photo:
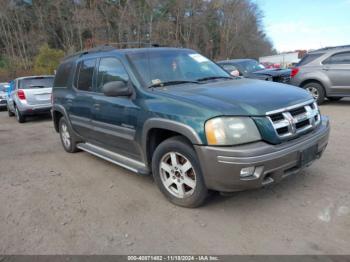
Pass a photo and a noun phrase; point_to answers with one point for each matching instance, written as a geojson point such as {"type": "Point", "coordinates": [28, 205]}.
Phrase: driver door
{"type": "Point", "coordinates": [114, 118]}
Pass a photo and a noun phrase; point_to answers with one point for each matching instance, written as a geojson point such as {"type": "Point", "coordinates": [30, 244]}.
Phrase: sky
{"type": "Point", "coordinates": [306, 24]}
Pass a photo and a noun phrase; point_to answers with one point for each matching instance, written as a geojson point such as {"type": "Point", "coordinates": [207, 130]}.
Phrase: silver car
{"type": "Point", "coordinates": [325, 73]}
{"type": "Point", "coordinates": [3, 94]}
{"type": "Point", "coordinates": [30, 96]}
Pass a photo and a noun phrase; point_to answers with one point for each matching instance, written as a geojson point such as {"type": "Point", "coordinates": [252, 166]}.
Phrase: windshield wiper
{"type": "Point", "coordinates": [213, 77]}
{"type": "Point", "coordinates": [175, 82]}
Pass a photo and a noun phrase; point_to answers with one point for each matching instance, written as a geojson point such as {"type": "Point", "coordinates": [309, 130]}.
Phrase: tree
{"type": "Point", "coordinates": [47, 60]}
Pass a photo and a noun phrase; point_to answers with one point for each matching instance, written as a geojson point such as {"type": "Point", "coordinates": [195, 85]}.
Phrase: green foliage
{"type": "Point", "coordinates": [47, 60]}
{"type": "Point", "coordinates": [3, 62]}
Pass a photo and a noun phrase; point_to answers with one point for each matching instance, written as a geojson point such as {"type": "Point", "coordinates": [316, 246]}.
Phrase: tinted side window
{"type": "Point", "coordinates": [63, 74]}
{"type": "Point", "coordinates": [110, 69]}
{"type": "Point", "coordinates": [339, 59]}
{"type": "Point", "coordinates": [309, 58]}
{"type": "Point", "coordinates": [85, 74]}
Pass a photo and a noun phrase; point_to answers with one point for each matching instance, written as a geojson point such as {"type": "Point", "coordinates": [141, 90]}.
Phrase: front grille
{"type": "Point", "coordinates": [290, 122]}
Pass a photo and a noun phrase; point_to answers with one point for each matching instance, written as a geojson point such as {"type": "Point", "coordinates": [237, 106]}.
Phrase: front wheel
{"type": "Point", "coordinates": [177, 173]}
{"type": "Point", "coordinates": [316, 90]}
{"type": "Point", "coordinates": [10, 114]}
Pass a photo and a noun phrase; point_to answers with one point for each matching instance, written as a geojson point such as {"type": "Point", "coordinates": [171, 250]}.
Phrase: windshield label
{"type": "Point", "coordinates": [199, 58]}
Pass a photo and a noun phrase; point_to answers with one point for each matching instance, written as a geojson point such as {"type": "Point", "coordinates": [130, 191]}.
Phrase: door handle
{"type": "Point", "coordinates": [96, 106]}
{"type": "Point", "coordinates": [325, 69]}
{"type": "Point", "coordinates": [69, 101]}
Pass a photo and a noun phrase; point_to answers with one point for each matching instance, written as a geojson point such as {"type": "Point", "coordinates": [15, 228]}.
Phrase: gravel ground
{"type": "Point", "coordinates": [53, 202]}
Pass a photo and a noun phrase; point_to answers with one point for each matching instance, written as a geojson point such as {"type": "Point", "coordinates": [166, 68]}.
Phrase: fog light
{"type": "Point", "coordinates": [247, 171]}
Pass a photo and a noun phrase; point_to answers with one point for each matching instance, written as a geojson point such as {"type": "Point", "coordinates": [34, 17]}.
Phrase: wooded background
{"type": "Point", "coordinates": [35, 35]}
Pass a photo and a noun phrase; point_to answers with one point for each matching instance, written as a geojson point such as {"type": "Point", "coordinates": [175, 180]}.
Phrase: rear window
{"type": "Point", "coordinates": [35, 82]}
{"type": "Point", "coordinates": [63, 75]}
{"type": "Point", "coordinates": [3, 87]}
{"type": "Point", "coordinates": [309, 58]}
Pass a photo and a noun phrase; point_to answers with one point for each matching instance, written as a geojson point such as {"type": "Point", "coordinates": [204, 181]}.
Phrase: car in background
{"type": "Point", "coordinates": [250, 68]}
{"type": "Point", "coordinates": [325, 73]}
{"type": "Point", "coordinates": [3, 94]}
{"type": "Point", "coordinates": [30, 95]}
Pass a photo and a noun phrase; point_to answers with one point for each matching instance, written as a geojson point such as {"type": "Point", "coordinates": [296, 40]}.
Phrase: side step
{"type": "Point", "coordinates": [123, 161]}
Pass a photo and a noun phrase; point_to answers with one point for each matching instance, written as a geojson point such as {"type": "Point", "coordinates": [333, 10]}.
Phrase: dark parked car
{"type": "Point", "coordinates": [3, 93]}
{"type": "Point", "coordinates": [176, 114]}
{"type": "Point", "coordinates": [251, 68]}
{"type": "Point", "coordinates": [325, 73]}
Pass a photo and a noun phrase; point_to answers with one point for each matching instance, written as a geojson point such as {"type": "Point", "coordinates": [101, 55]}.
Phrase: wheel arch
{"type": "Point", "coordinates": [156, 131]}
{"type": "Point", "coordinates": [308, 81]}
{"type": "Point", "coordinates": [59, 111]}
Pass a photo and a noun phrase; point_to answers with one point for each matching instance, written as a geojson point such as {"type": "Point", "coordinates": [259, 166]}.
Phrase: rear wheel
{"type": "Point", "coordinates": [316, 90]}
{"type": "Point", "coordinates": [67, 138]}
{"type": "Point", "coordinates": [334, 98]}
{"type": "Point", "coordinates": [20, 118]}
{"type": "Point", "coordinates": [177, 173]}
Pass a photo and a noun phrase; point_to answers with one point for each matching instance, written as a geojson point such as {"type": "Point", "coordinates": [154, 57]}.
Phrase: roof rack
{"type": "Point", "coordinates": [331, 47]}
{"type": "Point", "coordinates": [111, 46]}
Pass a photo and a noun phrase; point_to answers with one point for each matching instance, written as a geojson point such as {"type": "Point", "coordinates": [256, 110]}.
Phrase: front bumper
{"type": "Point", "coordinates": [221, 166]}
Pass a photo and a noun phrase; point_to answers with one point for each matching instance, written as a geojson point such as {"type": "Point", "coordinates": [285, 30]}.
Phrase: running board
{"type": "Point", "coordinates": [123, 161]}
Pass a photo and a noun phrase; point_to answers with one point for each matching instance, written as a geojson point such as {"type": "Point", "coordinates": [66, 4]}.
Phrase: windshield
{"type": "Point", "coordinates": [36, 82]}
{"type": "Point", "coordinates": [174, 66]}
{"type": "Point", "coordinates": [251, 66]}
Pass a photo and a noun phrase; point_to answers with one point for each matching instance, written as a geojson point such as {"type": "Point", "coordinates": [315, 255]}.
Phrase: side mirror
{"type": "Point", "coordinates": [116, 88]}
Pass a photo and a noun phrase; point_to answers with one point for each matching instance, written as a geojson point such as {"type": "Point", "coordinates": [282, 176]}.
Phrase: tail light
{"type": "Point", "coordinates": [294, 72]}
{"type": "Point", "coordinates": [21, 95]}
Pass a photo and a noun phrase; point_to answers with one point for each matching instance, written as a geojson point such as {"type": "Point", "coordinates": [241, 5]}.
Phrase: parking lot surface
{"type": "Point", "coordinates": [53, 202]}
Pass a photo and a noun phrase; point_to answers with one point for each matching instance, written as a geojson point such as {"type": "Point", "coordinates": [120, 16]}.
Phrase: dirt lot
{"type": "Point", "coordinates": [53, 202]}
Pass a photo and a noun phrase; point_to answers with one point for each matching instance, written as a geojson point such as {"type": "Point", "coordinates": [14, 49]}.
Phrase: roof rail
{"type": "Point", "coordinates": [134, 44]}
{"type": "Point", "coordinates": [331, 47]}
{"type": "Point", "coordinates": [109, 47]}
{"type": "Point", "coordinates": [91, 50]}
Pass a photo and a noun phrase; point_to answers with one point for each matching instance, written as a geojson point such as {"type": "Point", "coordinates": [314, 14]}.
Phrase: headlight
{"type": "Point", "coordinates": [231, 131]}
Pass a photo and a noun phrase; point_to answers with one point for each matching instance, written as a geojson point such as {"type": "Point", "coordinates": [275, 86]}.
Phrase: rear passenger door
{"type": "Point", "coordinates": [337, 68]}
{"type": "Point", "coordinates": [114, 118]}
{"type": "Point", "coordinates": [79, 103]}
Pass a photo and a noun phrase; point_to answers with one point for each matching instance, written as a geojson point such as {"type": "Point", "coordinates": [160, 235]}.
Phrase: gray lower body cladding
{"type": "Point", "coordinates": [221, 166]}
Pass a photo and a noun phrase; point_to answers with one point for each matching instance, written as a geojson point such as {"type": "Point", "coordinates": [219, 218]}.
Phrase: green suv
{"type": "Point", "coordinates": [177, 115]}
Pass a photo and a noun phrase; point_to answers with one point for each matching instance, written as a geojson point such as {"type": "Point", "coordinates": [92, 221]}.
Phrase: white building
{"type": "Point", "coordinates": [283, 59]}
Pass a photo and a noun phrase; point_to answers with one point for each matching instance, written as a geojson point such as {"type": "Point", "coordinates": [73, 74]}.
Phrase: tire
{"type": "Point", "coordinates": [186, 175]}
{"type": "Point", "coordinates": [316, 90]}
{"type": "Point", "coordinates": [20, 118]}
{"type": "Point", "coordinates": [334, 98]}
{"type": "Point", "coordinates": [10, 114]}
{"type": "Point", "coordinates": [67, 138]}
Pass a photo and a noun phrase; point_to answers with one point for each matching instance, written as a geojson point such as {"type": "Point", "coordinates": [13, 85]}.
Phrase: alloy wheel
{"type": "Point", "coordinates": [65, 135]}
{"type": "Point", "coordinates": [177, 175]}
{"type": "Point", "coordinates": [313, 91]}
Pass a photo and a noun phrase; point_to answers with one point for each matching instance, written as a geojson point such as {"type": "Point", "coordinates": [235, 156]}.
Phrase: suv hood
{"type": "Point", "coordinates": [245, 97]}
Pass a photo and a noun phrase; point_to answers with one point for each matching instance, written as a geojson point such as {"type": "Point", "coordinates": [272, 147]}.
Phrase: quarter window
{"type": "Point", "coordinates": [109, 70]}
{"type": "Point", "coordinates": [339, 59]}
{"type": "Point", "coordinates": [85, 74]}
{"type": "Point", "coordinates": [62, 75]}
